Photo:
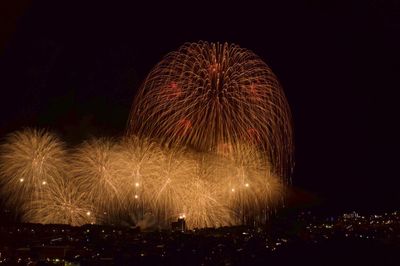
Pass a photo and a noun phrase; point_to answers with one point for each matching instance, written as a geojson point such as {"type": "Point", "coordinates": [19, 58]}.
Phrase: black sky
{"type": "Point", "coordinates": [74, 68]}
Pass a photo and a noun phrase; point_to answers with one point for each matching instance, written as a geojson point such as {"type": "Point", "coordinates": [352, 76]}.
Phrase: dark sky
{"type": "Point", "coordinates": [74, 68]}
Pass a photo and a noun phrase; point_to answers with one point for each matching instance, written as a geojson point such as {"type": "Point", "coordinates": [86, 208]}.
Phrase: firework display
{"type": "Point", "coordinates": [207, 95]}
{"type": "Point", "coordinates": [137, 177]}
{"type": "Point", "coordinates": [209, 138]}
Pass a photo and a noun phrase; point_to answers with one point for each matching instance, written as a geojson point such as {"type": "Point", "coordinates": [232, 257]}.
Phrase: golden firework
{"type": "Point", "coordinates": [30, 161]}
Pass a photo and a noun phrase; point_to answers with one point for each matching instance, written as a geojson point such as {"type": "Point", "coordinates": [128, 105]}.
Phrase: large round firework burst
{"type": "Point", "coordinates": [212, 96]}
{"type": "Point", "coordinates": [30, 161]}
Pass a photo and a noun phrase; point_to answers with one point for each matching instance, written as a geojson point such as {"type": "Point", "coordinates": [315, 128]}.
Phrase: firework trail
{"type": "Point", "coordinates": [30, 161]}
{"type": "Point", "coordinates": [206, 95]}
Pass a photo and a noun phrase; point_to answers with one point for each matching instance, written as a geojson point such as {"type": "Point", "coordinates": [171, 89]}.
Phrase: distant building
{"type": "Point", "coordinates": [179, 225]}
{"type": "Point", "coordinates": [351, 215]}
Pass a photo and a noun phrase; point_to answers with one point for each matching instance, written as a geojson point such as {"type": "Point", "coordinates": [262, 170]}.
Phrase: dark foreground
{"type": "Point", "coordinates": [302, 240]}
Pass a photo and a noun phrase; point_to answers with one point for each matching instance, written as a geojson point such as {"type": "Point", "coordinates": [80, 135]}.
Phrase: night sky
{"type": "Point", "coordinates": [75, 68]}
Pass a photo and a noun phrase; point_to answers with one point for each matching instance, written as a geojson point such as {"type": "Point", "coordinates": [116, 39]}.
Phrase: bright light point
{"type": "Point", "coordinates": [136, 184]}
{"type": "Point", "coordinates": [44, 183]}
{"type": "Point", "coordinates": [246, 185]}
{"type": "Point", "coordinates": [88, 213]}
{"type": "Point", "coordinates": [233, 190]}
{"type": "Point", "coordinates": [182, 216]}
{"type": "Point", "coordinates": [136, 196]}
{"type": "Point", "coordinates": [21, 180]}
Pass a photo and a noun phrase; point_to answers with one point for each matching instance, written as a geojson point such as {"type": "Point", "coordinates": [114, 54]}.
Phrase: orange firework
{"type": "Point", "coordinates": [207, 95]}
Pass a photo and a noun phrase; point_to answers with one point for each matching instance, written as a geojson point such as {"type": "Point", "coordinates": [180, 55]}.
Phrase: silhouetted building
{"type": "Point", "coordinates": [179, 225]}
